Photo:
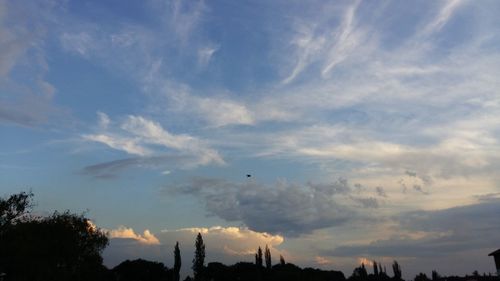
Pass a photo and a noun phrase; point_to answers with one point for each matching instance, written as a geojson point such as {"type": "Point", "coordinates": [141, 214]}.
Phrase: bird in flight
{"type": "Point", "coordinates": [248, 175]}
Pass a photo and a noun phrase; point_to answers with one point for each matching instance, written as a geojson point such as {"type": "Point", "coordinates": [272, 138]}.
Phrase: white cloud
{"type": "Point", "coordinates": [233, 241]}
{"type": "Point", "coordinates": [139, 136]}
{"type": "Point", "coordinates": [347, 38]}
{"type": "Point", "coordinates": [128, 233]}
{"type": "Point", "coordinates": [81, 43]}
{"type": "Point", "coordinates": [104, 120]}
{"type": "Point", "coordinates": [205, 54]}
{"type": "Point", "coordinates": [185, 17]}
{"type": "Point", "coordinates": [445, 13]}
{"type": "Point", "coordinates": [128, 145]}
{"type": "Point", "coordinates": [217, 111]}
{"type": "Point", "coordinates": [308, 46]}
{"type": "Point", "coordinates": [227, 244]}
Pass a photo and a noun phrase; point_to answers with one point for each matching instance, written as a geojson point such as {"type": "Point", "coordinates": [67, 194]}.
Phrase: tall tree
{"type": "Point", "coordinates": [258, 257]}
{"type": "Point", "coordinates": [282, 260]}
{"type": "Point", "coordinates": [199, 257]}
{"type": "Point", "coordinates": [396, 268]}
{"type": "Point", "coordinates": [177, 262]}
{"type": "Point", "coordinates": [359, 273]}
{"type": "Point", "coordinates": [435, 275]}
{"type": "Point", "coordinates": [375, 268]}
{"type": "Point", "coordinates": [268, 258]}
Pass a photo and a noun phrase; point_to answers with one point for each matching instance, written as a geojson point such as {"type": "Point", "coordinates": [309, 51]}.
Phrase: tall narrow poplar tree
{"type": "Point", "coordinates": [267, 255]}
{"type": "Point", "coordinates": [199, 257]}
{"type": "Point", "coordinates": [396, 268]}
{"type": "Point", "coordinates": [258, 257]}
{"type": "Point", "coordinates": [177, 262]}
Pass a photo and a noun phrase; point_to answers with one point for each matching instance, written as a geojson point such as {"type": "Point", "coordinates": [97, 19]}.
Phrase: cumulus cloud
{"type": "Point", "coordinates": [284, 208]}
{"type": "Point", "coordinates": [236, 242]}
{"type": "Point", "coordinates": [128, 233]}
{"type": "Point", "coordinates": [228, 244]}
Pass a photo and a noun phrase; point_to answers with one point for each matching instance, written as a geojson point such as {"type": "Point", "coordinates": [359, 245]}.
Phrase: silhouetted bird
{"type": "Point", "coordinates": [248, 176]}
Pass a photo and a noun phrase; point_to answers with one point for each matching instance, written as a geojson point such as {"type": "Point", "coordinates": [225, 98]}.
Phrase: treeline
{"type": "Point", "coordinates": [66, 246]}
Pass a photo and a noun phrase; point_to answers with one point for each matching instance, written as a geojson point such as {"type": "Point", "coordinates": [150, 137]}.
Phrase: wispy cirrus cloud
{"type": "Point", "coordinates": [25, 102]}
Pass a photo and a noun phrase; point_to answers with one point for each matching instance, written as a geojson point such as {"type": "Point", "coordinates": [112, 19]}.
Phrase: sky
{"type": "Point", "coordinates": [370, 129]}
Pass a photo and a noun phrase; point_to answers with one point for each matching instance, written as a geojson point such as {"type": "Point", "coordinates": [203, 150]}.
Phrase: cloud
{"type": "Point", "coordinates": [111, 169]}
{"type": "Point", "coordinates": [227, 244]}
{"type": "Point", "coordinates": [445, 13]}
{"type": "Point", "coordinates": [444, 232]}
{"type": "Point", "coordinates": [81, 43]}
{"type": "Point", "coordinates": [380, 191]}
{"type": "Point", "coordinates": [156, 146]}
{"type": "Point", "coordinates": [205, 54]}
{"type": "Point", "coordinates": [104, 120]}
{"type": "Point", "coordinates": [131, 146]}
{"type": "Point", "coordinates": [282, 208]}
{"type": "Point", "coordinates": [186, 17]}
{"type": "Point", "coordinates": [25, 102]}
{"type": "Point", "coordinates": [308, 46]}
{"type": "Point", "coordinates": [236, 242]}
{"type": "Point", "coordinates": [346, 40]}
{"type": "Point", "coordinates": [123, 232]}
{"type": "Point", "coordinates": [217, 111]}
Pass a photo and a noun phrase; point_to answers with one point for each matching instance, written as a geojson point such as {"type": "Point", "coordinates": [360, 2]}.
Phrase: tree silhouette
{"type": "Point", "coordinates": [258, 257]}
{"type": "Point", "coordinates": [141, 270]}
{"type": "Point", "coordinates": [359, 273]}
{"type": "Point", "coordinates": [375, 268]}
{"type": "Point", "coordinates": [177, 262]}
{"type": "Point", "coordinates": [199, 257]}
{"type": "Point", "coordinates": [421, 277]}
{"type": "Point", "coordinates": [396, 268]}
{"type": "Point", "coordinates": [282, 260]}
{"type": "Point", "coordinates": [15, 208]}
{"type": "Point", "coordinates": [268, 258]}
{"type": "Point", "coordinates": [435, 275]}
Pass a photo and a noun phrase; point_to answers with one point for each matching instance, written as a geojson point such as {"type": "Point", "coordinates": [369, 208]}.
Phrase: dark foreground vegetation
{"type": "Point", "coordinates": [66, 246]}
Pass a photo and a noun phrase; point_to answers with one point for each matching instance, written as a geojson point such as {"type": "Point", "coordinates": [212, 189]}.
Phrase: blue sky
{"type": "Point", "coordinates": [371, 129]}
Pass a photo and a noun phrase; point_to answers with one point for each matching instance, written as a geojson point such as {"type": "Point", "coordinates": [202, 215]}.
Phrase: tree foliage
{"type": "Point", "coordinates": [62, 246]}
{"type": "Point", "coordinates": [177, 262]}
{"type": "Point", "coordinates": [267, 255]}
{"type": "Point", "coordinates": [199, 257]}
{"type": "Point", "coordinates": [258, 257]}
{"type": "Point", "coordinates": [396, 268]}
{"type": "Point", "coordinates": [282, 260]}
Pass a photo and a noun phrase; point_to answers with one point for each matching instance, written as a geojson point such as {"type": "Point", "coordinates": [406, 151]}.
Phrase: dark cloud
{"type": "Point", "coordinates": [450, 231]}
{"type": "Point", "coordinates": [284, 208]}
{"type": "Point", "coordinates": [368, 202]}
{"type": "Point", "coordinates": [380, 191]}
{"type": "Point", "coordinates": [419, 188]}
{"type": "Point", "coordinates": [488, 197]}
{"type": "Point", "coordinates": [411, 173]}
{"type": "Point", "coordinates": [112, 169]}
